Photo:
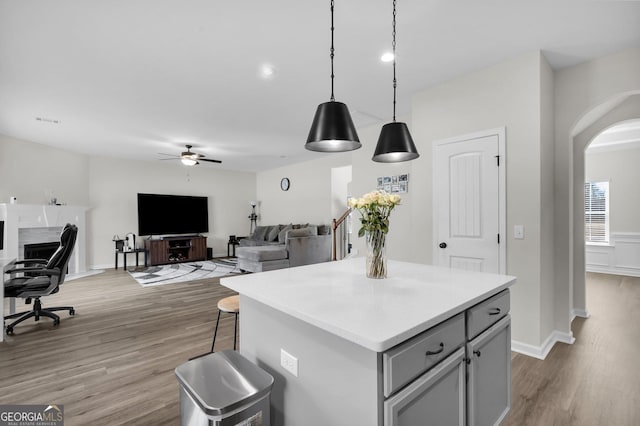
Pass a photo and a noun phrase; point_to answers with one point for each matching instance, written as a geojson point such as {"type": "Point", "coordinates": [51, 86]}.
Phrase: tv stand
{"type": "Point", "coordinates": [176, 250]}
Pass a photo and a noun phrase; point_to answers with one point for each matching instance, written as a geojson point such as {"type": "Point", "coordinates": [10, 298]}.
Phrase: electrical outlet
{"type": "Point", "coordinates": [289, 362]}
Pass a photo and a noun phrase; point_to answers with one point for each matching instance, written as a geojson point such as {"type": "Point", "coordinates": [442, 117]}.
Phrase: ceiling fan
{"type": "Point", "coordinates": [189, 158]}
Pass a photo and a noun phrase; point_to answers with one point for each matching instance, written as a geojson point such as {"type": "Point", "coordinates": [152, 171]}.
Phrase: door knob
{"type": "Point", "coordinates": [443, 245]}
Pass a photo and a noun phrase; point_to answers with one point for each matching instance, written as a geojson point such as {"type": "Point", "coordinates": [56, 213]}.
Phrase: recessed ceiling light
{"type": "Point", "coordinates": [386, 57]}
{"type": "Point", "coordinates": [267, 71]}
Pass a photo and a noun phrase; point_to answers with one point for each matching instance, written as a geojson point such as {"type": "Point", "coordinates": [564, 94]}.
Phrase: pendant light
{"type": "Point", "coordinates": [395, 143]}
{"type": "Point", "coordinates": [332, 129]}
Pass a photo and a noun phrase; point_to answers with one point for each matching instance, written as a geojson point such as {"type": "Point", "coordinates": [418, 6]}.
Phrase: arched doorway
{"type": "Point", "coordinates": [623, 111]}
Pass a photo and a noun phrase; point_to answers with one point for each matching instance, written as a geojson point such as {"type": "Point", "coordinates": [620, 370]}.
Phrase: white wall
{"type": "Point", "coordinates": [402, 241]}
{"type": "Point", "coordinates": [109, 188]}
{"type": "Point", "coordinates": [309, 198]}
{"type": "Point", "coordinates": [509, 95]}
{"type": "Point", "coordinates": [31, 172]}
{"type": "Point", "coordinates": [622, 170]}
{"type": "Point", "coordinates": [584, 95]}
{"type": "Point", "coordinates": [547, 172]}
{"type": "Point", "coordinates": [115, 184]}
{"type": "Point", "coordinates": [622, 254]}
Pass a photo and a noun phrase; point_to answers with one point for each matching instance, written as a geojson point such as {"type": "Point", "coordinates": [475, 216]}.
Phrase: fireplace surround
{"type": "Point", "coordinates": [26, 224]}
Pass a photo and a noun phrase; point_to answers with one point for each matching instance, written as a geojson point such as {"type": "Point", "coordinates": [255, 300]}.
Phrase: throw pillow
{"type": "Point", "coordinates": [324, 230]}
{"type": "Point", "coordinates": [282, 235]}
{"type": "Point", "coordinates": [309, 231]}
{"type": "Point", "coordinates": [273, 232]}
{"type": "Point", "coordinates": [259, 233]}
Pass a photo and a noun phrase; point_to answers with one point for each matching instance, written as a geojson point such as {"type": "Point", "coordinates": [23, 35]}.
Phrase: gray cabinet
{"type": "Point", "coordinates": [456, 373]}
{"type": "Point", "coordinates": [409, 360]}
{"type": "Point", "coordinates": [437, 397]}
{"type": "Point", "coordinates": [489, 382]}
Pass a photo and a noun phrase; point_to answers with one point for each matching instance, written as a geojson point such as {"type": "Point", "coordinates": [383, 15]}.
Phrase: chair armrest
{"type": "Point", "coordinates": [31, 287]}
{"type": "Point", "coordinates": [27, 261]}
{"type": "Point", "coordinates": [30, 269]}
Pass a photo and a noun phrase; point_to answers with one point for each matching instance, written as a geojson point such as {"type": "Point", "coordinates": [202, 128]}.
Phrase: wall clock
{"type": "Point", "coordinates": [284, 184]}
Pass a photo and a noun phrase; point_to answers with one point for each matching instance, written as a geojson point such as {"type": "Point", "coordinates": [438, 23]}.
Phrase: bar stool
{"type": "Point", "coordinates": [229, 305]}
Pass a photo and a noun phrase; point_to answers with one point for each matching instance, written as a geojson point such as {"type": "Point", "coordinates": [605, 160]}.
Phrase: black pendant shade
{"type": "Point", "coordinates": [395, 144]}
{"type": "Point", "coordinates": [332, 129]}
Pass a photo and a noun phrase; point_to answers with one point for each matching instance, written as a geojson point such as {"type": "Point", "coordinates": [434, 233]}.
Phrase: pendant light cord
{"type": "Point", "coordinates": [393, 45]}
{"type": "Point", "coordinates": [332, 50]}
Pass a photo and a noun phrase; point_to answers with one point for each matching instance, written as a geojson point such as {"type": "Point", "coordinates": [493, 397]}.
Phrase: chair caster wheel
{"type": "Point", "coordinates": [10, 330]}
{"type": "Point", "coordinates": [56, 322]}
{"type": "Point", "coordinates": [72, 312]}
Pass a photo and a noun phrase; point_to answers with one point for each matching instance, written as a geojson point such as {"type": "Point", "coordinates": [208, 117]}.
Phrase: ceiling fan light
{"type": "Point", "coordinates": [188, 161]}
{"type": "Point", "coordinates": [395, 144]}
{"type": "Point", "coordinates": [332, 129]}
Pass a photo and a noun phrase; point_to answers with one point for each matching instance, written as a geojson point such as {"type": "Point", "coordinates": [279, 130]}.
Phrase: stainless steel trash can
{"type": "Point", "coordinates": [224, 389]}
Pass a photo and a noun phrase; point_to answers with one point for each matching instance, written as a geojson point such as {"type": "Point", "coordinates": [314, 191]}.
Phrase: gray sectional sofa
{"type": "Point", "coordinates": [283, 246]}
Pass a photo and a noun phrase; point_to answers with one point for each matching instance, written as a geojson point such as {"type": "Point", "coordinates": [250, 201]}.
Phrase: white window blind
{"type": "Point", "coordinates": [596, 212]}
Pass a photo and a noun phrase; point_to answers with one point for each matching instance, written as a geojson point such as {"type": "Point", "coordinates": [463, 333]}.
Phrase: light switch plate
{"type": "Point", "coordinates": [289, 362]}
{"type": "Point", "coordinates": [518, 232]}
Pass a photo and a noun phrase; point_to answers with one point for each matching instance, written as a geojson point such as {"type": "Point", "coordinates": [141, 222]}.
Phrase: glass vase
{"type": "Point", "coordinates": [376, 255]}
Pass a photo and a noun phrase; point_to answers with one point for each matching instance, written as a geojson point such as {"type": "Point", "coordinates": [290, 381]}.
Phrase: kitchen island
{"type": "Point", "coordinates": [346, 350]}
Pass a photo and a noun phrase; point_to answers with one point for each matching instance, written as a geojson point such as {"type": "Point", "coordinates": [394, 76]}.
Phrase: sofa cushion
{"type": "Point", "coordinates": [282, 235]}
{"type": "Point", "coordinates": [272, 233]}
{"type": "Point", "coordinates": [260, 233]}
{"type": "Point", "coordinates": [262, 253]}
{"type": "Point", "coordinates": [309, 231]}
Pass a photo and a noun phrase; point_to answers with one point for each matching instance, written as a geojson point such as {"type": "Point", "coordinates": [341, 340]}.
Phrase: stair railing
{"type": "Point", "coordinates": [339, 224]}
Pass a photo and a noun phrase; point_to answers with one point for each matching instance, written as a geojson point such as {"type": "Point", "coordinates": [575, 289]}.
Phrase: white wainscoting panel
{"type": "Point", "coordinates": [621, 257]}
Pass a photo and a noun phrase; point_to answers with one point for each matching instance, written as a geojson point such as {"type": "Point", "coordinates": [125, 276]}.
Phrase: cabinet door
{"type": "Point", "coordinates": [198, 248]}
{"type": "Point", "coordinates": [437, 397]}
{"type": "Point", "coordinates": [157, 251]}
{"type": "Point", "coordinates": [489, 385]}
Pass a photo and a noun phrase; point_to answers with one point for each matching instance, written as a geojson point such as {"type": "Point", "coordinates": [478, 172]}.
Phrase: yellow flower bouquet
{"type": "Point", "coordinates": [375, 208]}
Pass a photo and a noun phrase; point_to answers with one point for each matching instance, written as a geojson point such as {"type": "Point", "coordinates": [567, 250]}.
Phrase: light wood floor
{"type": "Point", "coordinates": [113, 362]}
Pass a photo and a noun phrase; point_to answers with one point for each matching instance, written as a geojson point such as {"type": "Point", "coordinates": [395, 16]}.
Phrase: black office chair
{"type": "Point", "coordinates": [39, 278]}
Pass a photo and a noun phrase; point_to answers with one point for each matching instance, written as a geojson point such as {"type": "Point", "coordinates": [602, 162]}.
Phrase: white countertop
{"type": "Point", "coordinates": [377, 314]}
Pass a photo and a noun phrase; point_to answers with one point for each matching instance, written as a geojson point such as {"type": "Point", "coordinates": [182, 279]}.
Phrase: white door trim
{"type": "Point", "coordinates": [500, 132]}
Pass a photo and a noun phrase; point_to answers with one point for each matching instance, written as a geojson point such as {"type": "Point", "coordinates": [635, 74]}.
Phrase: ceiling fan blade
{"type": "Point", "coordinates": [168, 155]}
{"type": "Point", "coordinates": [165, 159]}
{"type": "Point", "coordinates": [210, 161]}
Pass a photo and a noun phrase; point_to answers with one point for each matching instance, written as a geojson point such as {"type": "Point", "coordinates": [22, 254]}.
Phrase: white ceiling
{"type": "Point", "coordinates": [625, 135]}
{"type": "Point", "coordinates": [131, 79]}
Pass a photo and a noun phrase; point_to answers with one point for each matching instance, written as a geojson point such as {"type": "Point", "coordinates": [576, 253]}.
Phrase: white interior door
{"type": "Point", "coordinates": [469, 202]}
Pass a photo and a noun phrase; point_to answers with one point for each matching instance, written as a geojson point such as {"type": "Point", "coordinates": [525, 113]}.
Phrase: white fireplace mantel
{"type": "Point", "coordinates": [31, 216]}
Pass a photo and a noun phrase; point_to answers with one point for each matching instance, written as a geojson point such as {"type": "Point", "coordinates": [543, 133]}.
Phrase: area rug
{"type": "Point", "coordinates": [182, 272]}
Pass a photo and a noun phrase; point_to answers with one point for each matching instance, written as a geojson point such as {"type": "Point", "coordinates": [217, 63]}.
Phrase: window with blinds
{"type": "Point", "coordinates": [596, 212]}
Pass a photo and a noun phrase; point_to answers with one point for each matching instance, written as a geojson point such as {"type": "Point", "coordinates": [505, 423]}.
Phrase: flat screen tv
{"type": "Point", "coordinates": [160, 214]}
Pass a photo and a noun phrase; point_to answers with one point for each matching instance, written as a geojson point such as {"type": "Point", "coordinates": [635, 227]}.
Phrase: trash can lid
{"type": "Point", "coordinates": [222, 382]}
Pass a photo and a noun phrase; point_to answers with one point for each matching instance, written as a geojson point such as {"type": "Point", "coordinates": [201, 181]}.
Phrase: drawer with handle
{"type": "Point", "coordinates": [486, 313]}
{"type": "Point", "coordinates": [409, 360]}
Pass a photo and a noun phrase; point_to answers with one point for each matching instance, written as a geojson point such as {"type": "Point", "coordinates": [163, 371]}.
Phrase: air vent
{"type": "Point", "coordinates": [48, 120]}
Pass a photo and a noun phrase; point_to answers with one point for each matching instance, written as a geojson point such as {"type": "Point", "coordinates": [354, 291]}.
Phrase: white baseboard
{"type": "Point", "coordinates": [541, 352]}
{"type": "Point", "coordinates": [613, 270]}
{"type": "Point", "coordinates": [90, 272]}
{"type": "Point", "coordinates": [104, 266]}
{"type": "Point", "coordinates": [579, 313]}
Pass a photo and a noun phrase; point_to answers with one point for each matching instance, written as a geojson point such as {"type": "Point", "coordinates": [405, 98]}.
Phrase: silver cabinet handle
{"type": "Point", "coordinates": [494, 311]}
